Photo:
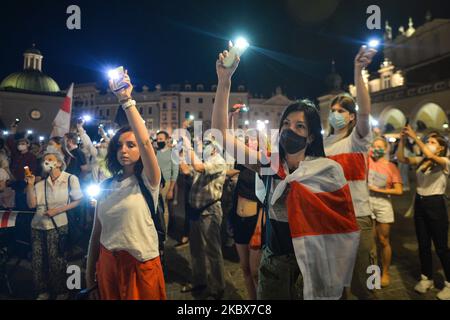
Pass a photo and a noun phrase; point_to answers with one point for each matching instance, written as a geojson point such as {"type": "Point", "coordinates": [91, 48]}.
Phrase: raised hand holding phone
{"type": "Point", "coordinates": [121, 85]}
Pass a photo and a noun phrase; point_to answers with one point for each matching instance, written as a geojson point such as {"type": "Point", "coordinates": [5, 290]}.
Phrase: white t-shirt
{"type": "Point", "coordinates": [433, 181]}
{"type": "Point", "coordinates": [57, 196]}
{"type": "Point", "coordinates": [126, 220]}
{"type": "Point", "coordinates": [351, 153]}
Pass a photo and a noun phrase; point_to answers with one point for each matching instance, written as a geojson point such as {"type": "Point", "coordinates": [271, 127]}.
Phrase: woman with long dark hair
{"type": "Point", "coordinates": [430, 208]}
{"type": "Point", "coordinates": [124, 257]}
{"type": "Point", "coordinates": [307, 199]}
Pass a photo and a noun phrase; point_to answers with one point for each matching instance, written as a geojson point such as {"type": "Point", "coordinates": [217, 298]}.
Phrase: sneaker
{"type": "Point", "coordinates": [424, 284]}
{"type": "Point", "coordinates": [43, 296]}
{"type": "Point", "coordinates": [62, 296]}
{"type": "Point", "coordinates": [444, 294]}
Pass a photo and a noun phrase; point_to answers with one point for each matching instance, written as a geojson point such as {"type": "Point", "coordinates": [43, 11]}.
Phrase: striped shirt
{"type": "Point", "coordinates": [351, 153]}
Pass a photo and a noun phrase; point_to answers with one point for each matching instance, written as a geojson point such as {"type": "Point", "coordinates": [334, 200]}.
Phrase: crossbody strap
{"type": "Point", "coordinates": [46, 201]}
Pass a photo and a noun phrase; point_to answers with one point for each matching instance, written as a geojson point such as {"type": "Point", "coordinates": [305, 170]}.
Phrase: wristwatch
{"type": "Point", "coordinates": [129, 103]}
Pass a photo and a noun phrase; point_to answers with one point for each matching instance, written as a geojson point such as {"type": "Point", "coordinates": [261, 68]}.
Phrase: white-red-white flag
{"type": "Point", "coordinates": [322, 222]}
{"type": "Point", "coordinates": [8, 219]}
{"type": "Point", "coordinates": [61, 124]}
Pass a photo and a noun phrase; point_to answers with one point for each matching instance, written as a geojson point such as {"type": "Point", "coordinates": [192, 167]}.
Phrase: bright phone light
{"type": "Point", "coordinates": [5, 133]}
{"type": "Point", "coordinates": [247, 122]}
{"type": "Point", "coordinates": [241, 43]}
{"type": "Point", "coordinates": [110, 132]}
{"type": "Point", "coordinates": [374, 122]}
{"type": "Point", "coordinates": [93, 190]}
{"type": "Point", "coordinates": [445, 126]}
{"type": "Point", "coordinates": [322, 132]}
{"type": "Point", "coordinates": [374, 43]}
{"type": "Point", "coordinates": [113, 74]}
{"type": "Point", "coordinates": [87, 118]}
{"type": "Point", "coordinates": [41, 138]}
{"type": "Point", "coordinates": [266, 122]}
{"type": "Point", "coordinates": [29, 131]}
{"type": "Point", "coordinates": [392, 139]}
{"type": "Point", "coordinates": [260, 126]}
{"type": "Point", "coordinates": [191, 117]}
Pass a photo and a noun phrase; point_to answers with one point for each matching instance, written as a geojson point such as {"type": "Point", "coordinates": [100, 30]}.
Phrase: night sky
{"type": "Point", "coordinates": [177, 41]}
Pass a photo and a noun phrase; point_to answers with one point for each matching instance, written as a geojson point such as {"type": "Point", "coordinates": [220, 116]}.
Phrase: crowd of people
{"type": "Point", "coordinates": [305, 214]}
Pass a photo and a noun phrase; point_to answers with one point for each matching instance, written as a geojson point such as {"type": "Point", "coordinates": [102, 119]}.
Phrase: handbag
{"type": "Point", "coordinates": [62, 237]}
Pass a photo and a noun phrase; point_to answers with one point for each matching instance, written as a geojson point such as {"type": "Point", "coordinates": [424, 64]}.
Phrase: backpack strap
{"type": "Point", "coordinates": [151, 205]}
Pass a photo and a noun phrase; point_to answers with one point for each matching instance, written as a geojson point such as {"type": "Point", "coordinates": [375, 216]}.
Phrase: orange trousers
{"type": "Point", "coordinates": [121, 277]}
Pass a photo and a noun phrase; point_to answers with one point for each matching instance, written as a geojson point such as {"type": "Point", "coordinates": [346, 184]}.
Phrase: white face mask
{"type": "Point", "coordinates": [432, 148]}
{"type": "Point", "coordinates": [207, 151]}
{"type": "Point", "coordinates": [22, 147]}
{"type": "Point", "coordinates": [49, 166]}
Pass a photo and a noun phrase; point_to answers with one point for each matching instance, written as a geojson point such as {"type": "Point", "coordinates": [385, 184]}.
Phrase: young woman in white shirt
{"type": "Point", "coordinates": [430, 208]}
{"type": "Point", "coordinates": [123, 255]}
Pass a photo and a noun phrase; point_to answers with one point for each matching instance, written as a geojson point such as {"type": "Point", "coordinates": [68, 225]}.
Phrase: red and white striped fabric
{"type": "Point", "coordinates": [61, 124]}
{"type": "Point", "coordinates": [351, 153]}
{"type": "Point", "coordinates": [323, 226]}
{"type": "Point", "coordinates": [8, 219]}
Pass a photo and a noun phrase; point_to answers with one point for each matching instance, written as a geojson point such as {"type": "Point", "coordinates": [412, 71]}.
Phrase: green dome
{"type": "Point", "coordinates": [30, 80]}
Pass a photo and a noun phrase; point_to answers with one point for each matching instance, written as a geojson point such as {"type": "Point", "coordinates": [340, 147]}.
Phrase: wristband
{"type": "Point", "coordinates": [128, 104]}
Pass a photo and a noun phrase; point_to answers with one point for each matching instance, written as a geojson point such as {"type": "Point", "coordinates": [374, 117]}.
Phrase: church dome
{"type": "Point", "coordinates": [30, 80]}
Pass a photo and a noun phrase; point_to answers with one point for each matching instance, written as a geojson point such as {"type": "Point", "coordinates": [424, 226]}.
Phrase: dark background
{"type": "Point", "coordinates": [177, 41]}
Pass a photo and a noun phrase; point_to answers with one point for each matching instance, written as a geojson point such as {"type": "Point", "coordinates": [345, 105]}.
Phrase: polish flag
{"type": "Point", "coordinates": [8, 219]}
{"type": "Point", "coordinates": [61, 124]}
{"type": "Point", "coordinates": [323, 226]}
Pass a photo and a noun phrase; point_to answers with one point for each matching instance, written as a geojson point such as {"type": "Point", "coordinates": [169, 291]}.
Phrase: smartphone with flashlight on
{"type": "Point", "coordinates": [117, 75]}
{"type": "Point", "coordinates": [236, 49]}
{"type": "Point", "coordinates": [240, 106]}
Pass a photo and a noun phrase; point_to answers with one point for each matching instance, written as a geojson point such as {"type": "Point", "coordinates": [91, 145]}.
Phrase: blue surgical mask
{"type": "Point", "coordinates": [337, 120]}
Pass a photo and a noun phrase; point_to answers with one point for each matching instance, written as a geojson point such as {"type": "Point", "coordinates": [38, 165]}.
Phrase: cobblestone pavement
{"type": "Point", "coordinates": [404, 271]}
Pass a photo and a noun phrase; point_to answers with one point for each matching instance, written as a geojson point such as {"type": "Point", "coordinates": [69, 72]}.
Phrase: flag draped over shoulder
{"type": "Point", "coordinates": [323, 226]}
{"type": "Point", "coordinates": [61, 124]}
{"type": "Point", "coordinates": [8, 219]}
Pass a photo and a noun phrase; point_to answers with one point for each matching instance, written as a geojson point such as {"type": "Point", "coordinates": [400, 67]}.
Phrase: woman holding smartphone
{"type": "Point", "coordinates": [297, 171]}
{"type": "Point", "coordinates": [123, 257]}
{"type": "Point", "coordinates": [430, 208]}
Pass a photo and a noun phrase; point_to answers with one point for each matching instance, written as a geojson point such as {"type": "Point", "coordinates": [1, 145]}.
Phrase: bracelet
{"type": "Point", "coordinates": [128, 104]}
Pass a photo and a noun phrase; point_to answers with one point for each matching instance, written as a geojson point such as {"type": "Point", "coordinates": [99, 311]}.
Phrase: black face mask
{"type": "Point", "coordinates": [161, 145]}
{"type": "Point", "coordinates": [292, 142]}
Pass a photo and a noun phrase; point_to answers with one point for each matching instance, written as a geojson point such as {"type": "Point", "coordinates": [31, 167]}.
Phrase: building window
{"type": "Point", "coordinates": [187, 114]}
{"type": "Point", "coordinates": [164, 106]}
{"type": "Point", "coordinates": [256, 114]}
{"type": "Point", "coordinates": [200, 100]}
{"type": "Point", "coordinates": [164, 117]}
{"type": "Point", "coordinates": [200, 114]}
{"type": "Point", "coordinates": [187, 100]}
{"type": "Point", "coordinates": [101, 113]}
{"type": "Point", "coordinates": [174, 116]}
{"type": "Point", "coordinates": [141, 111]}
{"type": "Point", "coordinates": [149, 110]}
{"type": "Point", "coordinates": [174, 105]}
{"type": "Point", "coordinates": [267, 114]}
{"type": "Point", "coordinates": [107, 112]}
{"type": "Point", "coordinates": [213, 100]}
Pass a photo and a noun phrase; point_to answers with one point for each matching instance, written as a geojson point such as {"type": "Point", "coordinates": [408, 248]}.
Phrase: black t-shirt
{"type": "Point", "coordinates": [74, 163]}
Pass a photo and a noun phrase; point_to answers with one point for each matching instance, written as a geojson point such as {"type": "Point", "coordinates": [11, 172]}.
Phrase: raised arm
{"type": "Point", "coordinates": [423, 147]}
{"type": "Point", "coordinates": [148, 156]}
{"type": "Point", "coordinates": [220, 111]}
{"type": "Point", "coordinates": [362, 60]}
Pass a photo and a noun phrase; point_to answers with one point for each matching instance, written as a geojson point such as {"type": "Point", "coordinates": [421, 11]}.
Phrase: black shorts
{"type": "Point", "coordinates": [243, 228]}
